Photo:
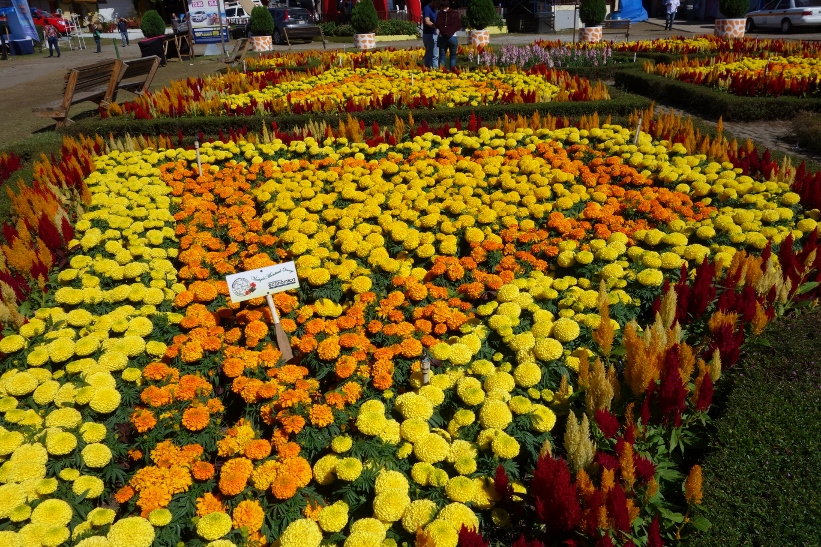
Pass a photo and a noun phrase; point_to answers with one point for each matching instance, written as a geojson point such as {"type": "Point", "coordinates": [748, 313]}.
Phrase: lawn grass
{"type": "Point", "coordinates": [761, 478]}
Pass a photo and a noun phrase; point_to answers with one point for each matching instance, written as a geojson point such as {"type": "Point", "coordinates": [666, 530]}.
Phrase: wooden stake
{"type": "Point", "coordinates": [282, 339]}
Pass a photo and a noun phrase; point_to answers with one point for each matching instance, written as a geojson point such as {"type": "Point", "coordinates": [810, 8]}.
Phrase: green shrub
{"type": "Point", "coordinates": [481, 14]}
{"type": "Point", "coordinates": [261, 24]}
{"type": "Point", "coordinates": [807, 129]}
{"type": "Point", "coordinates": [152, 24]}
{"type": "Point", "coordinates": [395, 27]}
{"type": "Point", "coordinates": [592, 12]}
{"type": "Point", "coordinates": [363, 18]}
{"type": "Point", "coordinates": [734, 9]}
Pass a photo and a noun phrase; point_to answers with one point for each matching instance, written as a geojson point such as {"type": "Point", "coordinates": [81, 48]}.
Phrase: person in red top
{"type": "Point", "coordinates": [448, 23]}
{"type": "Point", "coordinates": [52, 36]}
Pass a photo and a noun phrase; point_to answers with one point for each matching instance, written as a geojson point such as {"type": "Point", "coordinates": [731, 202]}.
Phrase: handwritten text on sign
{"type": "Point", "coordinates": [255, 283]}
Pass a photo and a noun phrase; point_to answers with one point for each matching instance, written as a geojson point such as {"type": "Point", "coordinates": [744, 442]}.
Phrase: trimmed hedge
{"type": "Point", "coordinates": [761, 477]}
{"type": "Point", "coordinates": [710, 102]}
{"type": "Point", "coordinates": [807, 128]}
{"type": "Point", "coordinates": [620, 104]}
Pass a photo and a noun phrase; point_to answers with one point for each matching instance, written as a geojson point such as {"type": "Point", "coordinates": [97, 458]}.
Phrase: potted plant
{"type": "Point", "coordinates": [153, 28]}
{"type": "Point", "coordinates": [364, 21]}
{"type": "Point", "coordinates": [732, 26]}
{"type": "Point", "coordinates": [261, 27]}
{"type": "Point", "coordinates": [481, 14]}
{"type": "Point", "coordinates": [592, 13]}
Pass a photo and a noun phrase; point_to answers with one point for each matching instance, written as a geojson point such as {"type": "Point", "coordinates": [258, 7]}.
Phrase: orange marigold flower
{"type": "Point", "coordinates": [284, 486]}
{"type": "Point", "coordinates": [124, 494]}
{"type": "Point", "coordinates": [215, 406]}
{"type": "Point", "coordinates": [233, 367]}
{"type": "Point", "coordinates": [208, 504]}
{"type": "Point", "coordinates": [352, 391]}
{"type": "Point", "coordinates": [191, 352]}
{"type": "Point", "coordinates": [411, 347]}
{"type": "Point", "coordinates": [256, 329]}
{"type": "Point", "coordinates": [234, 476]}
{"type": "Point", "coordinates": [257, 449]}
{"type": "Point", "coordinates": [292, 424]}
{"type": "Point", "coordinates": [135, 454]}
{"type": "Point", "coordinates": [328, 349]}
{"type": "Point", "coordinates": [183, 299]}
{"type": "Point", "coordinates": [143, 419]}
{"type": "Point", "coordinates": [202, 471]}
{"type": "Point", "coordinates": [288, 450]}
{"type": "Point", "coordinates": [312, 510]}
{"type": "Point", "coordinates": [157, 371]}
{"type": "Point", "coordinates": [249, 515]}
{"type": "Point", "coordinates": [156, 396]}
{"type": "Point", "coordinates": [321, 415]}
{"type": "Point", "coordinates": [203, 291]}
{"type": "Point", "coordinates": [299, 468]}
{"type": "Point", "coordinates": [335, 400]}
{"type": "Point", "coordinates": [345, 366]}
{"type": "Point", "coordinates": [382, 381]}
{"type": "Point", "coordinates": [233, 335]}
{"type": "Point", "coordinates": [196, 418]}
{"type": "Point", "coordinates": [288, 374]}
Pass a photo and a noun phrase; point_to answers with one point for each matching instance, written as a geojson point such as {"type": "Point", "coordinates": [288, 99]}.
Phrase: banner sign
{"type": "Point", "coordinates": [204, 18]}
{"type": "Point", "coordinates": [25, 20]}
{"type": "Point", "coordinates": [255, 283]}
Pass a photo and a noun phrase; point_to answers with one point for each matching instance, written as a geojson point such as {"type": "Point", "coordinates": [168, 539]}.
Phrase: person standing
{"type": "Point", "coordinates": [96, 35]}
{"type": "Point", "coordinates": [175, 22]}
{"type": "Point", "coordinates": [672, 8]}
{"type": "Point", "coordinates": [448, 23]}
{"type": "Point", "coordinates": [122, 26]}
{"type": "Point", "coordinates": [429, 33]}
{"type": "Point", "coordinates": [53, 37]}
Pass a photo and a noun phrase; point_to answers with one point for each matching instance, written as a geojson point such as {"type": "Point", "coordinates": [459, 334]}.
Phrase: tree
{"type": "Point", "coordinates": [363, 18]}
{"type": "Point", "coordinates": [261, 24]}
{"type": "Point", "coordinates": [152, 24]}
{"type": "Point", "coordinates": [481, 14]}
{"type": "Point", "coordinates": [592, 12]}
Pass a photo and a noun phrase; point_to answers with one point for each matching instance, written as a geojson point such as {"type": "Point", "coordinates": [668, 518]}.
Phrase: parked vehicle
{"type": "Point", "coordinates": [785, 14]}
{"type": "Point", "coordinates": [297, 22]}
{"type": "Point", "coordinates": [198, 16]}
{"type": "Point", "coordinates": [42, 18]}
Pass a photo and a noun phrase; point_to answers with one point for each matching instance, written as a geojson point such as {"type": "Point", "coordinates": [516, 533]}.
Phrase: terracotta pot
{"type": "Point", "coordinates": [730, 28]}
{"type": "Point", "coordinates": [364, 41]}
{"type": "Point", "coordinates": [479, 38]}
{"type": "Point", "coordinates": [590, 34]}
{"type": "Point", "coordinates": [261, 43]}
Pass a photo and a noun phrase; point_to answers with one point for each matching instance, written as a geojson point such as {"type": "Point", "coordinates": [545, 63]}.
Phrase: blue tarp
{"type": "Point", "coordinates": [19, 21]}
{"type": "Point", "coordinates": [630, 9]}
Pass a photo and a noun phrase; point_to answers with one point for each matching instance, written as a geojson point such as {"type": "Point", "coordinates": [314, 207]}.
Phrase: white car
{"type": "Point", "coordinates": [785, 14]}
{"type": "Point", "coordinates": [198, 16]}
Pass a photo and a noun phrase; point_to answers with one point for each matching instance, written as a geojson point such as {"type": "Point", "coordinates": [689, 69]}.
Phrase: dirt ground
{"type": "Point", "coordinates": [33, 80]}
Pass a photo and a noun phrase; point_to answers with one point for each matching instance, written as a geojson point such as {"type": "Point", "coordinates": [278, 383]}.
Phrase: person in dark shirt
{"type": "Point", "coordinates": [429, 33]}
{"type": "Point", "coordinates": [122, 26]}
{"type": "Point", "coordinates": [448, 23]}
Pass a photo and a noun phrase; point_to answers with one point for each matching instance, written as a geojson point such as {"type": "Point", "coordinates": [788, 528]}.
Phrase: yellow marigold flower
{"type": "Point", "coordinates": [542, 419]}
{"type": "Point", "coordinates": [96, 455]}
{"type": "Point", "coordinates": [12, 343]}
{"type": "Point", "coordinates": [390, 480]}
{"type": "Point", "coordinates": [431, 448]}
{"type": "Point", "coordinates": [495, 415]}
{"type": "Point", "coordinates": [499, 381]}
{"type": "Point", "coordinates": [458, 515]}
{"type": "Point", "coordinates": [349, 469]}
{"type": "Point", "coordinates": [341, 443]}
{"type": "Point", "coordinates": [507, 293]}
{"type": "Point", "coordinates": [214, 525]}
{"type": "Point", "coordinates": [52, 512]}
{"type": "Point", "coordinates": [418, 514]}
{"type": "Point", "coordinates": [465, 465]}
{"type": "Point", "coordinates": [160, 517]}
{"type": "Point", "coordinates": [20, 513]}
{"type": "Point", "coordinates": [60, 443]}
{"type": "Point", "coordinates": [527, 375]}
{"type": "Point", "coordinates": [53, 536]}
{"type": "Point", "coordinates": [413, 429]}
{"type": "Point", "coordinates": [93, 541]}
{"type": "Point", "coordinates": [650, 277]}
{"type": "Point", "coordinates": [390, 505]}
{"type": "Point", "coordinates": [131, 374]}
{"type": "Point", "coordinates": [6, 404]}
{"type": "Point", "coordinates": [131, 532]}
{"type": "Point", "coordinates": [519, 405]}
{"type": "Point", "coordinates": [460, 354]}
{"type": "Point", "coordinates": [301, 533]}
{"type": "Point", "coordinates": [105, 400]}
{"type": "Point", "coordinates": [21, 384]}
{"type": "Point", "coordinates": [413, 406]}
{"type": "Point", "coordinates": [420, 472]}
{"type": "Point", "coordinates": [90, 487]}
{"type": "Point", "coordinates": [441, 351]}
{"type": "Point", "coordinates": [67, 418]}
{"type": "Point", "coordinates": [46, 486]}
{"type": "Point", "coordinates": [361, 284]}
{"type": "Point", "coordinates": [38, 357]}
{"type": "Point", "coordinates": [333, 518]}
{"type": "Point", "coordinates": [324, 469]}
{"type": "Point", "coordinates": [505, 446]}
{"type": "Point", "coordinates": [460, 489]}
{"type": "Point", "coordinates": [100, 517]}
{"type": "Point", "coordinates": [443, 533]}
{"type": "Point", "coordinates": [566, 330]}
{"type": "Point", "coordinates": [11, 496]}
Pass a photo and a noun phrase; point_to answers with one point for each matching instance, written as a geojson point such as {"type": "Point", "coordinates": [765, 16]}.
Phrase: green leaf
{"type": "Point", "coordinates": [670, 515]}
{"type": "Point", "coordinates": [701, 524]}
{"type": "Point", "coordinates": [807, 287]}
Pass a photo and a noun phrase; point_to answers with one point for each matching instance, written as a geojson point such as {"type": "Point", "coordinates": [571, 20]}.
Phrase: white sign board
{"type": "Point", "coordinates": [255, 283]}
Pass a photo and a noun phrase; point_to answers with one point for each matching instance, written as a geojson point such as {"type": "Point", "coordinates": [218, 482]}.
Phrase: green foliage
{"type": "Point", "coordinates": [261, 24]}
{"type": "Point", "coordinates": [481, 14]}
{"type": "Point", "coordinates": [807, 129]}
{"type": "Point", "coordinates": [592, 12]}
{"type": "Point", "coordinates": [392, 27]}
{"type": "Point", "coordinates": [734, 9]}
{"type": "Point", "coordinates": [363, 18]}
{"type": "Point", "coordinates": [760, 480]}
{"type": "Point", "coordinates": [152, 24]}
{"type": "Point", "coordinates": [712, 103]}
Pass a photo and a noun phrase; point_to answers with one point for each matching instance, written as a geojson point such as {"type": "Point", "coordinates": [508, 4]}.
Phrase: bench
{"type": "Point", "coordinates": [617, 25]}
{"type": "Point", "coordinates": [237, 55]}
{"type": "Point", "coordinates": [138, 75]}
{"type": "Point", "coordinates": [96, 83]}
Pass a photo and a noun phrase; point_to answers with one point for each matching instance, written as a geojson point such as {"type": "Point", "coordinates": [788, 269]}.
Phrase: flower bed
{"type": "Point", "coordinates": [517, 259]}
{"type": "Point", "coordinates": [765, 76]}
{"type": "Point", "coordinates": [354, 90]}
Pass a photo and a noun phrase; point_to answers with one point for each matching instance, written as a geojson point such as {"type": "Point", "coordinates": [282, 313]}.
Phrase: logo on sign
{"type": "Point", "coordinates": [243, 287]}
